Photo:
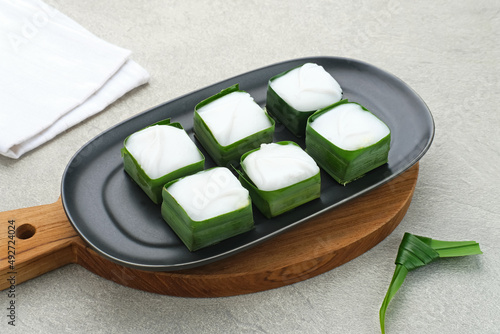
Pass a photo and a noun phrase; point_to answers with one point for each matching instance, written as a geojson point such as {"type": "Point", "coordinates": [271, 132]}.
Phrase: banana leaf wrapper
{"type": "Point", "coordinates": [343, 165]}
{"type": "Point", "coordinates": [276, 202]}
{"type": "Point", "coordinates": [153, 187]}
{"type": "Point", "coordinates": [199, 234]}
{"type": "Point", "coordinates": [226, 156]}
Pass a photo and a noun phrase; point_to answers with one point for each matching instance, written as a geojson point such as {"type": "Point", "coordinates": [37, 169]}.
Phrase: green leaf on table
{"type": "Point", "coordinates": [417, 251]}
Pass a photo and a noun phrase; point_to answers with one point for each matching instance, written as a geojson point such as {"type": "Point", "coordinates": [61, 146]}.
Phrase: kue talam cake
{"type": "Point", "coordinates": [347, 140]}
{"type": "Point", "coordinates": [294, 95]}
{"type": "Point", "coordinates": [280, 176]}
{"type": "Point", "coordinates": [207, 207]}
{"type": "Point", "coordinates": [231, 123]}
{"type": "Point", "coordinates": [158, 154]}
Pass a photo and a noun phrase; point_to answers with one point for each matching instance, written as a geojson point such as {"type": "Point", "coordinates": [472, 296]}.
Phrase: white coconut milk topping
{"type": "Point", "coordinates": [209, 193]}
{"type": "Point", "coordinates": [234, 117]}
{"type": "Point", "coordinates": [275, 166]}
{"type": "Point", "coordinates": [308, 88]}
{"type": "Point", "coordinates": [161, 149]}
{"type": "Point", "coordinates": [350, 127]}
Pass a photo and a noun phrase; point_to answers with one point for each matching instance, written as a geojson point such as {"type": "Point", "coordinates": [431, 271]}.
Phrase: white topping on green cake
{"type": "Point", "coordinates": [209, 193]}
{"type": "Point", "coordinates": [349, 127]}
{"type": "Point", "coordinates": [307, 88]}
{"type": "Point", "coordinates": [162, 149]}
{"type": "Point", "coordinates": [275, 166]}
{"type": "Point", "coordinates": [233, 117]}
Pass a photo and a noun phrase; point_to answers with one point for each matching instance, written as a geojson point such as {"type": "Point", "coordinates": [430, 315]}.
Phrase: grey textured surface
{"type": "Point", "coordinates": [447, 51]}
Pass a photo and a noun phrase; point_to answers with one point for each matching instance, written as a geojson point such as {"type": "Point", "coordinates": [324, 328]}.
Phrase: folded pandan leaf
{"type": "Point", "coordinates": [201, 228]}
{"type": "Point", "coordinates": [319, 91]}
{"type": "Point", "coordinates": [275, 202]}
{"type": "Point", "coordinates": [226, 155]}
{"type": "Point", "coordinates": [152, 186]}
{"type": "Point", "coordinates": [345, 165]}
{"type": "Point", "coordinates": [417, 251]}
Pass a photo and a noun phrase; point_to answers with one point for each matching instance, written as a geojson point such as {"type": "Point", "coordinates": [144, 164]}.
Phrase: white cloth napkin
{"type": "Point", "coordinates": [53, 74]}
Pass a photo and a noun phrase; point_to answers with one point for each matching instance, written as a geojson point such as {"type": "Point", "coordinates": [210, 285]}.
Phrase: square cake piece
{"type": "Point", "coordinates": [280, 176]}
{"type": "Point", "coordinates": [347, 140]}
{"type": "Point", "coordinates": [158, 154]}
{"type": "Point", "coordinates": [207, 207]}
{"type": "Point", "coordinates": [229, 124]}
{"type": "Point", "coordinates": [294, 95]}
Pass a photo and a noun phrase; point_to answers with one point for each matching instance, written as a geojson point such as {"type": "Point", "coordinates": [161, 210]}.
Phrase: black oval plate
{"type": "Point", "coordinates": [114, 216]}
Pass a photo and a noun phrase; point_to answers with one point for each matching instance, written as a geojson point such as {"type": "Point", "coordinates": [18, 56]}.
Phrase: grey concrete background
{"type": "Point", "coordinates": [447, 51]}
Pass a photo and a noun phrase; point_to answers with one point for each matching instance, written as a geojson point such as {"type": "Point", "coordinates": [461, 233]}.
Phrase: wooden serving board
{"type": "Point", "coordinates": [45, 240]}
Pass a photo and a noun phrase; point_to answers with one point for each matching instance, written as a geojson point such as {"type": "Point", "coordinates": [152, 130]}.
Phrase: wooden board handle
{"type": "Point", "coordinates": [34, 241]}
